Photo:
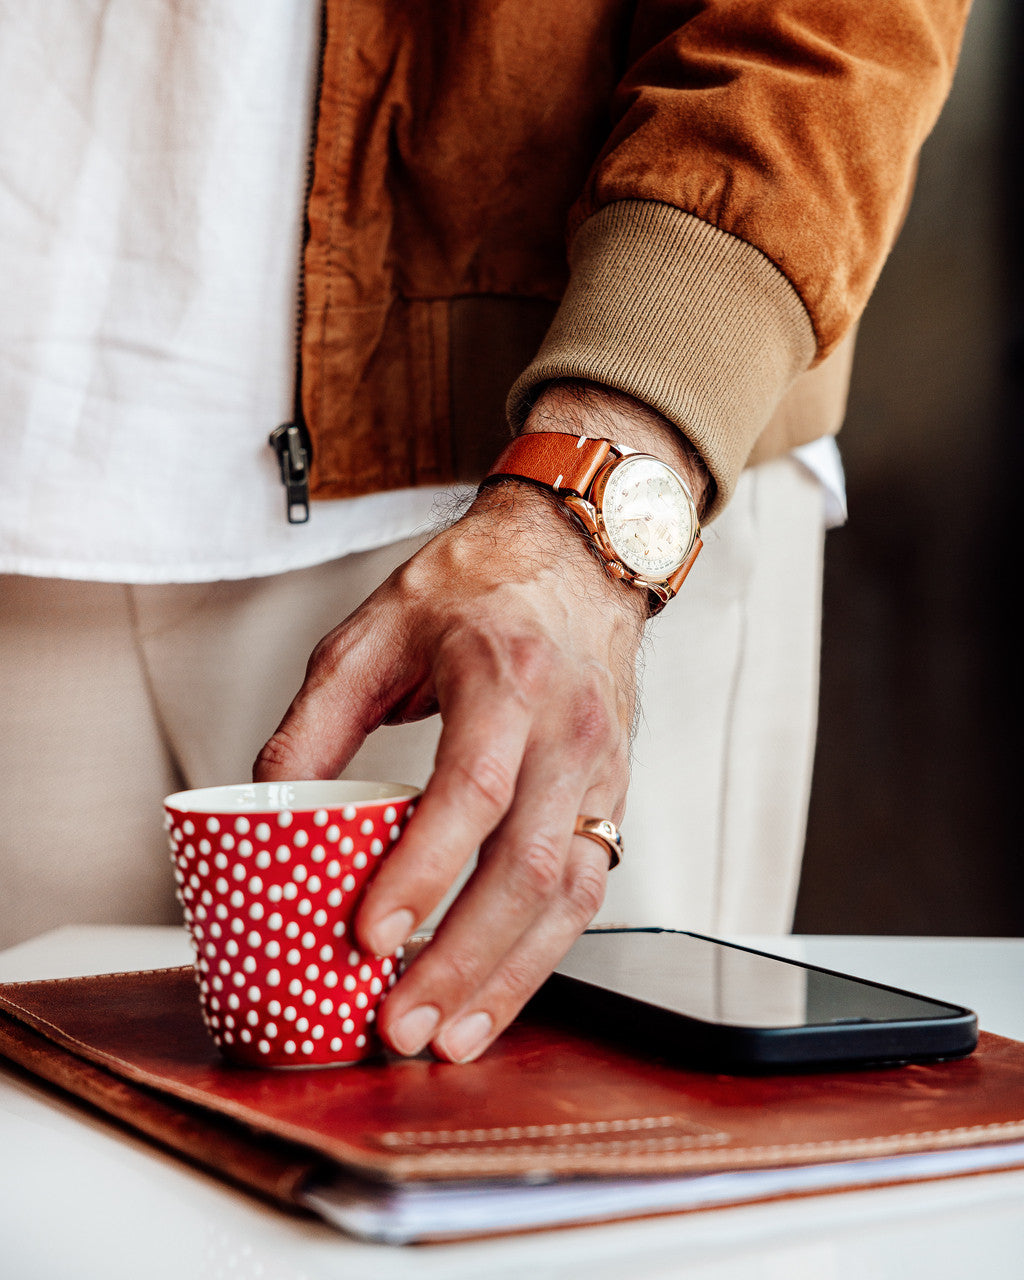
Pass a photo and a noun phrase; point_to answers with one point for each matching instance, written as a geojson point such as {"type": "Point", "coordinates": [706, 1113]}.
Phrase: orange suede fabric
{"type": "Point", "coordinates": [793, 124]}
{"type": "Point", "coordinates": [455, 137]}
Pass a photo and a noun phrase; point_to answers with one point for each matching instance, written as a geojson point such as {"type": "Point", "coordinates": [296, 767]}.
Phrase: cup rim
{"type": "Point", "coordinates": [294, 796]}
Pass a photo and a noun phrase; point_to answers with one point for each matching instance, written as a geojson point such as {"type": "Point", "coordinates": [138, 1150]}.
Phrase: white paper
{"type": "Point", "coordinates": [418, 1211]}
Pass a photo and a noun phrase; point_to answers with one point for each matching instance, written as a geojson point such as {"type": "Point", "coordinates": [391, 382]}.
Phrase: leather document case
{"type": "Point", "coordinates": [547, 1128]}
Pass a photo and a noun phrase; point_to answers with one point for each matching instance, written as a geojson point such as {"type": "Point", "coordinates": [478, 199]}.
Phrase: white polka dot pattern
{"type": "Point", "coordinates": [266, 916]}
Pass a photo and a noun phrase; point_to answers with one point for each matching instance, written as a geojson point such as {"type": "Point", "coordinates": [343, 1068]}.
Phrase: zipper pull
{"type": "Point", "coordinates": [291, 445]}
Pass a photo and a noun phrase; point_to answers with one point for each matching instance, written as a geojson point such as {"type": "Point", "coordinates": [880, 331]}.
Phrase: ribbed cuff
{"type": "Point", "coordinates": [694, 322]}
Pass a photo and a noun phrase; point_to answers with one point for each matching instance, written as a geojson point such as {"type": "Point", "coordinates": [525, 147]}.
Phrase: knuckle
{"type": "Point", "coordinates": [278, 755]}
{"type": "Point", "coordinates": [458, 971]}
{"type": "Point", "coordinates": [537, 870]}
{"type": "Point", "coordinates": [413, 580]}
{"type": "Point", "coordinates": [520, 665]}
{"type": "Point", "coordinates": [443, 976]}
{"type": "Point", "coordinates": [325, 658]}
{"type": "Point", "coordinates": [517, 981]}
{"type": "Point", "coordinates": [585, 891]}
{"type": "Point", "coordinates": [533, 660]}
{"type": "Point", "coordinates": [490, 780]}
{"type": "Point", "coordinates": [592, 723]}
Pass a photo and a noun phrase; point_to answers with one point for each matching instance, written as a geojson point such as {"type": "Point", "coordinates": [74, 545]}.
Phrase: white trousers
{"type": "Point", "coordinates": [113, 695]}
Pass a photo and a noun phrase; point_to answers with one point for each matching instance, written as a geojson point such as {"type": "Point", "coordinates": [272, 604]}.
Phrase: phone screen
{"type": "Point", "coordinates": [714, 982]}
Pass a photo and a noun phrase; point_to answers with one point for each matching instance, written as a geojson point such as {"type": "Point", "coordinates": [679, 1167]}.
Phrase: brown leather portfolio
{"type": "Point", "coordinates": [542, 1105]}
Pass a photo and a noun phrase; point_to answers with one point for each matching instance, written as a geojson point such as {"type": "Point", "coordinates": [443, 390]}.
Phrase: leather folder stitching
{"type": "Point", "coordinates": [532, 1081]}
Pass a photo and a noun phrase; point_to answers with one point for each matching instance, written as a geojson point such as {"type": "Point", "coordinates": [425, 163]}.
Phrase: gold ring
{"type": "Point", "coordinates": [603, 831]}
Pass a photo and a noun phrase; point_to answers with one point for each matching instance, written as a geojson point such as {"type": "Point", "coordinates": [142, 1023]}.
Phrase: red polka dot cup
{"type": "Point", "coordinates": [269, 876]}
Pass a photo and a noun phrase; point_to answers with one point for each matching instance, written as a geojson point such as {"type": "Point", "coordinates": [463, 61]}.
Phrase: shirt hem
{"type": "Point", "coordinates": [213, 571]}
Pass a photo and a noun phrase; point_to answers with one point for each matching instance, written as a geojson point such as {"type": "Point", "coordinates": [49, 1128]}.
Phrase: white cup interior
{"type": "Point", "coordinates": [272, 797]}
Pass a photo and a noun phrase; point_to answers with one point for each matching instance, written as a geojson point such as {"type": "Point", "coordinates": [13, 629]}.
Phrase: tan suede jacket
{"type": "Point", "coordinates": [688, 200]}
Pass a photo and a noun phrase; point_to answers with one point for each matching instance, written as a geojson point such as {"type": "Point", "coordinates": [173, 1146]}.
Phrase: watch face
{"type": "Point", "coordinates": [648, 516]}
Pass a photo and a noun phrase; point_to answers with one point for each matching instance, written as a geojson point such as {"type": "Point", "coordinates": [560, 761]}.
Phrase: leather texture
{"type": "Point", "coordinates": [679, 577]}
{"type": "Point", "coordinates": [271, 1168]}
{"type": "Point", "coordinates": [561, 461]}
{"type": "Point", "coordinates": [542, 1101]}
{"type": "Point", "coordinates": [570, 464]}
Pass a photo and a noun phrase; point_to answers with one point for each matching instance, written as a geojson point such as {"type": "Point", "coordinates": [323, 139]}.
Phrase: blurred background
{"type": "Point", "coordinates": [913, 824]}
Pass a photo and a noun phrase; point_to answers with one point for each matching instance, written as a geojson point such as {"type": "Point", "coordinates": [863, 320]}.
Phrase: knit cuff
{"type": "Point", "coordinates": [694, 322]}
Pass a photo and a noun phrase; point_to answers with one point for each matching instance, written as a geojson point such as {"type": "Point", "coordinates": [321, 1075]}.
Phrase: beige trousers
{"type": "Point", "coordinates": [112, 695]}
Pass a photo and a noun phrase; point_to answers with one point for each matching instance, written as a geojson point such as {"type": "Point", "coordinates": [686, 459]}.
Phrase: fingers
{"type": "Point", "coordinates": [536, 888]}
{"type": "Point", "coordinates": [465, 1035]}
{"type": "Point", "coordinates": [354, 677]}
{"type": "Point", "coordinates": [520, 758]}
{"type": "Point", "coordinates": [478, 760]}
{"type": "Point", "coordinates": [460, 1026]}
{"type": "Point", "coordinates": [536, 694]}
{"type": "Point", "coordinates": [495, 701]}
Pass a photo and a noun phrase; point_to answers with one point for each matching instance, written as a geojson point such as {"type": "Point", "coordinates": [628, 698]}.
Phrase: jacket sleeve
{"type": "Point", "coordinates": [760, 161]}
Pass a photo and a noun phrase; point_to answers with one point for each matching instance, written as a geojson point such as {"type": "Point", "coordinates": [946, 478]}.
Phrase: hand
{"type": "Point", "coordinates": [507, 625]}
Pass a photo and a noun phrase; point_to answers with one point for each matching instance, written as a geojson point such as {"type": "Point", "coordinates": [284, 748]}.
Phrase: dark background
{"type": "Point", "coordinates": [915, 805]}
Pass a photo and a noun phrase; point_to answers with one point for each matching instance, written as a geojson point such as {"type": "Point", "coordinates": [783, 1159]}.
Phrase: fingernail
{"type": "Point", "coordinates": [468, 1037]}
{"type": "Point", "coordinates": [392, 931]}
{"type": "Point", "coordinates": [413, 1030]}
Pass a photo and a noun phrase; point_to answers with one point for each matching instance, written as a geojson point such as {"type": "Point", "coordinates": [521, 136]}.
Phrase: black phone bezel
{"type": "Point", "coordinates": [694, 1042]}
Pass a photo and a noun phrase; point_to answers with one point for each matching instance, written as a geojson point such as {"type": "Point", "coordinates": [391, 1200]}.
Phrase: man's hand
{"type": "Point", "coordinates": [507, 625]}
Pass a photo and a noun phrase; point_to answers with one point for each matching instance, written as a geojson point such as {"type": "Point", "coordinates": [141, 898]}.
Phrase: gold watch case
{"type": "Point", "coordinates": [640, 490]}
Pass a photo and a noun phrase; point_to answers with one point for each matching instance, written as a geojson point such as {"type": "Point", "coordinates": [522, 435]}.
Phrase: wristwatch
{"type": "Point", "coordinates": [635, 510]}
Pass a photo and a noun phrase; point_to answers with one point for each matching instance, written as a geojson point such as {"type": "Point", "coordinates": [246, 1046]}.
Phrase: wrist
{"type": "Point", "coordinates": [583, 408]}
{"type": "Point", "coordinates": [634, 509]}
{"type": "Point", "coordinates": [531, 527]}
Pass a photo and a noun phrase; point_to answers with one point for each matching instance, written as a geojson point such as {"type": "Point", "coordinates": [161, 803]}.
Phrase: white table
{"type": "Point", "coordinates": [79, 1198]}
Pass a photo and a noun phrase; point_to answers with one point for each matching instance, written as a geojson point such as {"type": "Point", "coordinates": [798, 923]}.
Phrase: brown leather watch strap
{"type": "Point", "coordinates": [569, 465]}
{"type": "Point", "coordinates": [563, 462]}
{"type": "Point", "coordinates": [676, 581]}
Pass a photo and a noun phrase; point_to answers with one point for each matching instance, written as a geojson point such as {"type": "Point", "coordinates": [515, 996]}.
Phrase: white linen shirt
{"type": "Point", "coordinates": [153, 162]}
{"type": "Point", "coordinates": [152, 169]}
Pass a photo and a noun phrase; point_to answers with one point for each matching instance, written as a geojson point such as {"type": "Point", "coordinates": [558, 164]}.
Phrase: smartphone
{"type": "Point", "coordinates": [718, 1006]}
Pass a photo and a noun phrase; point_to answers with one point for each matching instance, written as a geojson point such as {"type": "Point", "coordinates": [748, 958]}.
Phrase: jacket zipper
{"type": "Point", "coordinates": [290, 441]}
